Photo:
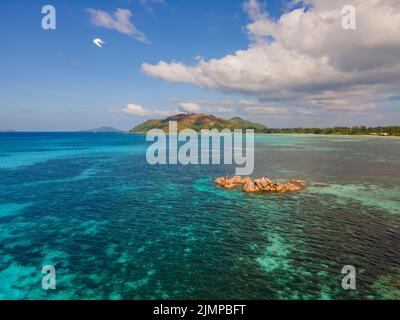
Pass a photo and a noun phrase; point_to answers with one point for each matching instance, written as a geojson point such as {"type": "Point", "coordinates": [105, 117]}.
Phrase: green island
{"type": "Point", "coordinates": [199, 122]}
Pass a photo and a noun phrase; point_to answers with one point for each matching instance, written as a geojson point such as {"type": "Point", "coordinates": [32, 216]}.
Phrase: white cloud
{"type": "Point", "coordinates": [254, 10]}
{"type": "Point", "coordinates": [306, 57]}
{"type": "Point", "coordinates": [189, 107]}
{"type": "Point", "coordinates": [205, 105]}
{"type": "Point", "coordinates": [261, 26]}
{"type": "Point", "coordinates": [137, 110]}
{"type": "Point", "coordinates": [120, 21]}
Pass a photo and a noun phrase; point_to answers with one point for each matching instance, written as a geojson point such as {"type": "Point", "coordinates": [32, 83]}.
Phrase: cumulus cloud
{"type": "Point", "coordinates": [189, 107]}
{"type": "Point", "coordinates": [306, 58]}
{"type": "Point", "coordinates": [205, 105]}
{"type": "Point", "coordinates": [137, 110]}
{"type": "Point", "coordinates": [208, 106]}
{"type": "Point", "coordinates": [120, 20]}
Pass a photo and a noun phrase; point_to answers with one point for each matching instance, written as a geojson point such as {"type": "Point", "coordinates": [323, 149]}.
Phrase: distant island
{"type": "Point", "coordinates": [198, 122]}
{"type": "Point", "coordinates": [102, 129]}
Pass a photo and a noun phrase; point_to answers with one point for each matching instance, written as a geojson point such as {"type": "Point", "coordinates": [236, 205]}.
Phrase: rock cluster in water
{"type": "Point", "coordinates": [260, 185]}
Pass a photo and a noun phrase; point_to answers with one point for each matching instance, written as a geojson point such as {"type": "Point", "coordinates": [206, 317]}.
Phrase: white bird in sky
{"type": "Point", "coordinates": [98, 42]}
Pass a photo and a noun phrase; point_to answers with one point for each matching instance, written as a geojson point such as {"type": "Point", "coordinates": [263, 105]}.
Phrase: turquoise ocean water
{"type": "Point", "coordinates": [115, 227]}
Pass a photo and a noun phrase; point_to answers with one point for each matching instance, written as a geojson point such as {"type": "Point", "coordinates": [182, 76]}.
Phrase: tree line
{"type": "Point", "coordinates": [362, 130]}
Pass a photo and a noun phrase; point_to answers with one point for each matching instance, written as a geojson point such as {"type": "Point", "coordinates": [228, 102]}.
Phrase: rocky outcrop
{"type": "Point", "coordinates": [259, 185]}
{"type": "Point", "coordinates": [298, 181]}
{"type": "Point", "coordinates": [251, 186]}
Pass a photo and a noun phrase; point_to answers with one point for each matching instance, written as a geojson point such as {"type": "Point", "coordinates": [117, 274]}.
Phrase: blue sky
{"type": "Point", "coordinates": [59, 80]}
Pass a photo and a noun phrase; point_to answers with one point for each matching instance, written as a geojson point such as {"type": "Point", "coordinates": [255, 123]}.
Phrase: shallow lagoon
{"type": "Point", "coordinates": [116, 228]}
